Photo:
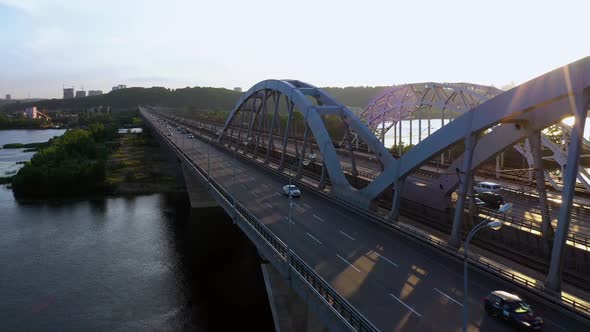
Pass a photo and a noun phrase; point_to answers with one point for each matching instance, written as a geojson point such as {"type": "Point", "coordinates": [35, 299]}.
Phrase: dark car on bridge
{"type": "Point", "coordinates": [512, 309]}
{"type": "Point", "coordinates": [492, 200]}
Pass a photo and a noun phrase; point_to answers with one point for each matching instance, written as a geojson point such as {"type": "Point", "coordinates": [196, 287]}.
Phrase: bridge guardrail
{"type": "Point", "coordinates": [476, 261]}
{"type": "Point", "coordinates": [577, 240]}
{"type": "Point", "coordinates": [354, 319]}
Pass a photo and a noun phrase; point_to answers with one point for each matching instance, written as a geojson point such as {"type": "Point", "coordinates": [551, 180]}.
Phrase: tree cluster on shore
{"type": "Point", "coordinates": [71, 164]}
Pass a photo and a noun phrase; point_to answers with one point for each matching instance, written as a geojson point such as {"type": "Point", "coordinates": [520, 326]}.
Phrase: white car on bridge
{"type": "Point", "coordinates": [293, 191]}
{"type": "Point", "coordinates": [483, 187]}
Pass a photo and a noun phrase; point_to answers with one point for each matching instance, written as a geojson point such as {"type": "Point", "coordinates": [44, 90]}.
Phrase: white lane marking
{"type": "Point", "coordinates": [405, 305]}
{"type": "Point", "coordinates": [276, 193]}
{"type": "Point", "coordinates": [347, 262]}
{"type": "Point", "coordinates": [270, 206]}
{"type": "Point", "coordinates": [348, 236]}
{"type": "Point", "coordinates": [252, 178]}
{"type": "Point", "coordinates": [313, 237]}
{"type": "Point", "coordinates": [265, 186]}
{"type": "Point", "coordinates": [448, 297]}
{"type": "Point", "coordinates": [254, 194]}
{"type": "Point", "coordinates": [243, 186]}
{"type": "Point", "coordinates": [385, 258]}
{"type": "Point", "coordinates": [297, 205]}
{"type": "Point", "coordinates": [287, 219]}
{"type": "Point", "coordinates": [318, 218]}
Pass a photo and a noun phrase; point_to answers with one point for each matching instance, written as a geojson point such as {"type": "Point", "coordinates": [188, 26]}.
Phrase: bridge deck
{"type": "Point", "coordinates": [395, 282]}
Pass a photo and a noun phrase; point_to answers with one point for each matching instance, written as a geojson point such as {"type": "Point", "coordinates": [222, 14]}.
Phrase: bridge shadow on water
{"type": "Point", "coordinates": [218, 270]}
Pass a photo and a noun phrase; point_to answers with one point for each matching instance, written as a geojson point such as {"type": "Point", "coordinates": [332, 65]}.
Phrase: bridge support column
{"type": "Point", "coordinates": [464, 177]}
{"type": "Point", "coordinates": [471, 194]}
{"type": "Point", "coordinates": [535, 143]}
{"type": "Point", "coordinates": [580, 107]}
{"type": "Point", "coordinates": [397, 199]}
{"type": "Point", "coordinates": [322, 184]}
{"type": "Point", "coordinates": [289, 312]}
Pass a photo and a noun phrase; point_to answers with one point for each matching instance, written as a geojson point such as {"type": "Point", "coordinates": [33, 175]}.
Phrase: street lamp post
{"type": "Point", "coordinates": [494, 225]}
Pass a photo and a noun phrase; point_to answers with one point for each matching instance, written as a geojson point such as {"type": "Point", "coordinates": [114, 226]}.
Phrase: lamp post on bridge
{"type": "Point", "coordinates": [486, 223]}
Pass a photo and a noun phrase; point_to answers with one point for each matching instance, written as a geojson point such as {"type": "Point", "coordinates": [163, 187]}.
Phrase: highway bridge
{"type": "Point", "coordinates": [361, 269]}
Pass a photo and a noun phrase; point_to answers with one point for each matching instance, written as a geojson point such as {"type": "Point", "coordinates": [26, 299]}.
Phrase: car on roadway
{"type": "Point", "coordinates": [291, 190]}
{"type": "Point", "coordinates": [485, 186]}
{"type": "Point", "coordinates": [512, 309]}
{"type": "Point", "coordinates": [491, 199]}
{"type": "Point", "coordinates": [190, 136]}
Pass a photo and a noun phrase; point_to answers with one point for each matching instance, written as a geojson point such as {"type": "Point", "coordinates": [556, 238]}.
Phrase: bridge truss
{"type": "Point", "coordinates": [297, 118]}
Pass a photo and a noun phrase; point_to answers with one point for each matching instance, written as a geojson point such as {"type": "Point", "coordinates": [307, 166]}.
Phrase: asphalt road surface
{"type": "Point", "coordinates": [396, 283]}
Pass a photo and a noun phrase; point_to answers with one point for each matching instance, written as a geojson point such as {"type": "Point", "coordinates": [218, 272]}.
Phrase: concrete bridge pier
{"type": "Point", "coordinates": [289, 312]}
{"type": "Point", "coordinates": [197, 191]}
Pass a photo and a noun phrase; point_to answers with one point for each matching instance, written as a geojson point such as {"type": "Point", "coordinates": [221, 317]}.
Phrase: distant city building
{"type": "Point", "coordinates": [238, 89]}
{"type": "Point", "coordinates": [8, 97]}
{"type": "Point", "coordinates": [31, 112]}
{"type": "Point", "coordinates": [80, 94]}
{"type": "Point", "coordinates": [94, 93]}
{"type": "Point", "coordinates": [119, 87]}
{"type": "Point", "coordinates": [69, 93]}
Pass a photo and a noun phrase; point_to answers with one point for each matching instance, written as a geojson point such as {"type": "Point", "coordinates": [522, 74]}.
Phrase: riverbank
{"type": "Point", "coordinates": [139, 167]}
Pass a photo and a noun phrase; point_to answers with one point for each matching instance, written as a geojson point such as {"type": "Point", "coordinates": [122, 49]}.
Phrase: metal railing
{"type": "Point", "coordinates": [420, 236]}
{"type": "Point", "coordinates": [354, 319]}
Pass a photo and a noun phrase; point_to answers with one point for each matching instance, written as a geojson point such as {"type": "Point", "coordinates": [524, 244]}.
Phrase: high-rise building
{"type": "Point", "coordinates": [68, 93]}
{"type": "Point", "coordinates": [238, 89]}
{"type": "Point", "coordinates": [94, 93]}
{"type": "Point", "coordinates": [8, 96]}
{"type": "Point", "coordinates": [80, 94]}
{"type": "Point", "coordinates": [119, 87]}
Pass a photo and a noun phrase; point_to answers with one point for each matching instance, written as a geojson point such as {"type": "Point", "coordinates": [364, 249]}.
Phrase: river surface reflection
{"type": "Point", "coordinates": [125, 263]}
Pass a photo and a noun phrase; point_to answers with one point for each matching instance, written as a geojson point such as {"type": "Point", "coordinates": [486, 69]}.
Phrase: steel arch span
{"type": "Point", "coordinates": [487, 129]}
{"type": "Point", "coordinates": [401, 102]}
{"type": "Point", "coordinates": [524, 111]}
{"type": "Point", "coordinates": [261, 105]}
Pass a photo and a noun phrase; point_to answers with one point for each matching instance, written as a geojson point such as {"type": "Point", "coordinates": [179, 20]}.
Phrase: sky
{"type": "Point", "coordinates": [46, 44]}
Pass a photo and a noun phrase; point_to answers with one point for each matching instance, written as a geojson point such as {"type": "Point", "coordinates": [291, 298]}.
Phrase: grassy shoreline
{"type": "Point", "coordinates": [138, 167]}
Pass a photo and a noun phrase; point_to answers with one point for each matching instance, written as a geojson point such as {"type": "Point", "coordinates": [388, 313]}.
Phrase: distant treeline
{"type": "Point", "coordinates": [197, 98]}
{"type": "Point", "coordinates": [357, 96]}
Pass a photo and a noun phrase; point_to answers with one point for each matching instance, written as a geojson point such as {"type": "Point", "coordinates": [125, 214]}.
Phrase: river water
{"type": "Point", "coordinates": [421, 126]}
{"type": "Point", "coordinates": [124, 263]}
{"type": "Point", "coordinates": [10, 157]}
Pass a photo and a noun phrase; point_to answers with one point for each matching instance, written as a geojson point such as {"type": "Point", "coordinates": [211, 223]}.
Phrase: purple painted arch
{"type": "Point", "coordinates": [400, 102]}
